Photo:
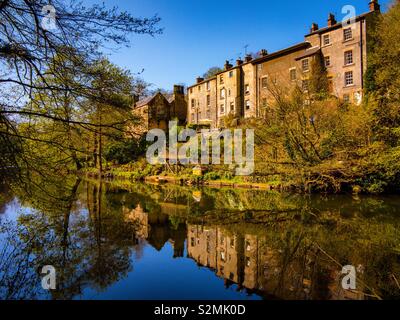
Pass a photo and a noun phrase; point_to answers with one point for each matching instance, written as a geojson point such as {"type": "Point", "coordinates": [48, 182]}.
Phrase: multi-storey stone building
{"type": "Point", "coordinates": [247, 89]}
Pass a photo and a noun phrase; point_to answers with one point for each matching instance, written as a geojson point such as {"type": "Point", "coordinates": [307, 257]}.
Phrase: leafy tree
{"type": "Point", "coordinates": [28, 50]}
{"type": "Point", "coordinates": [211, 72]}
{"type": "Point", "coordinates": [384, 75]}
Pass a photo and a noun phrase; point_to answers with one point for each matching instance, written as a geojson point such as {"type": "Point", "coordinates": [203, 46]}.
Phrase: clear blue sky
{"type": "Point", "coordinates": [199, 34]}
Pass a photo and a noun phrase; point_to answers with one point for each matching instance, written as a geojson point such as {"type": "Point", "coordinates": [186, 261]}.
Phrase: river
{"type": "Point", "coordinates": [137, 241]}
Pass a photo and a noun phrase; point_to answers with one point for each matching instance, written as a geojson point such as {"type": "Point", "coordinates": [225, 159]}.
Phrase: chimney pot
{"type": "Point", "coordinates": [239, 62]}
{"type": "Point", "coordinates": [263, 53]}
{"type": "Point", "coordinates": [331, 20]}
{"type": "Point", "coordinates": [227, 65]}
{"type": "Point", "coordinates": [248, 58]}
{"type": "Point", "coordinates": [199, 79]}
{"type": "Point", "coordinates": [314, 27]}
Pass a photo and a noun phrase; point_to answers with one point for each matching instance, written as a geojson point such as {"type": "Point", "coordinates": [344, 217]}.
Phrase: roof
{"type": "Point", "coordinates": [339, 24]}
{"type": "Point", "coordinates": [271, 56]}
{"type": "Point", "coordinates": [146, 101]}
{"type": "Point", "coordinates": [277, 54]}
{"type": "Point", "coordinates": [309, 52]}
{"type": "Point", "coordinates": [204, 81]}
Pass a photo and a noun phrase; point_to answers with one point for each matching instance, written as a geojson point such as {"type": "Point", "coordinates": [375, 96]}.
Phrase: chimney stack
{"type": "Point", "coordinates": [239, 62]}
{"type": "Point", "coordinates": [227, 65]}
{"type": "Point", "coordinates": [179, 90]}
{"type": "Point", "coordinates": [248, 58]}
{"type": "Point", "coordinates": [199, 79]}
{"type": "Point", "coordinates": [314, 27]}
{"type": "Point", "coordinates": [331, 20]}
{"type": "Point", "coordinates": [374, 6]}
{"type": "Point", "coordinates": [263, 53]}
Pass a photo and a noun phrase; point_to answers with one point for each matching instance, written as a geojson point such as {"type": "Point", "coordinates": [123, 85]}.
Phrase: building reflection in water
{"type": "Point", "coordinates": [242, 259]}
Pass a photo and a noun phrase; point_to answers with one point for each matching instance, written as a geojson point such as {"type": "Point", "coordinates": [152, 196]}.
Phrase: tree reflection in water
{"type": "Point", "coordinates": [272, 245]}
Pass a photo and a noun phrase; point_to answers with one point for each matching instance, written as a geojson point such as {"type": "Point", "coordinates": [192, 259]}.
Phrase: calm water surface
{"type": "Point", "coordinates": [117, 241]}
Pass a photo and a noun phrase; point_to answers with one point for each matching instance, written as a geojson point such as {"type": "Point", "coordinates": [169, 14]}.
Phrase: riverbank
{"type": "Point", "coordinates": [210, 179]}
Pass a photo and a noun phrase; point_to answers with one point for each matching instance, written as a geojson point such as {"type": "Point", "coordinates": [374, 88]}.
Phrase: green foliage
{"type": "Point", "coordinates": [125, 151]}
{"type": "Point", "coordinates": [212, 72]}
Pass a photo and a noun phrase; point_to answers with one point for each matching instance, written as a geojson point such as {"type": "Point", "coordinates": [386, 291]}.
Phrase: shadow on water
{"type": "Point", "coordinates": [137, 241]}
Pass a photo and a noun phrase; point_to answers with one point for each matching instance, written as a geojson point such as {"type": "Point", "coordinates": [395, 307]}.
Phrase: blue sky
{"type": "Point", "coordinates": [199, 34]}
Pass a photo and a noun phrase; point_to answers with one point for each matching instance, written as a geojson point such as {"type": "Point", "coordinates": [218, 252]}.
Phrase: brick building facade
{"type": "Point", "coordinates": [245, 90]}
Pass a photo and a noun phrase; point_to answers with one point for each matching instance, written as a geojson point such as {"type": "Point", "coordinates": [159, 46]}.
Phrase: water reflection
{"type": "Point", "coordinates": [156, 242]}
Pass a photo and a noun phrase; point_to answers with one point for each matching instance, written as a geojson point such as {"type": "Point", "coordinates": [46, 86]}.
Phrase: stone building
{"type": "Point", "coordinates": [247, 89]}
{"type": "Point", "coordinates": [157, 110]}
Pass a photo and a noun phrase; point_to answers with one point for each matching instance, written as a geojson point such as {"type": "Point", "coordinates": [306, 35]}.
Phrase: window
{"type": "Point", "coordinates": [347, 34]}
{"type": "Point", "coordinates": [223, 256]}
{"type": "Point", "coordinates": [229, 92]}
{"type": "Point", "coordinates": [208, 100]}
{"type": "Point", "coordinates": [232, 107]}
{"type": "Point", "coordinates": [193, 103]}
{"type": "Point", "coordinates": [222, 94]}
{"type": "Point", "coordinates": [247, 89]}
{"type": "Point", "coordinates": [248, 262]}
{"type": "Point", "coordinates": [293, 74]}
{"type": "Point", "coordinates": [222, 240]}
{"type": "Point", "coordinates": [232, 243]}
{"type": "Point", "coordinates": [200, 116]}
{"type": "Point", "coordinates": [348, 57]}
{"type": "Point", "coordinates": [230, 74]}
{"type": "Point", "coordinates": [248, 246]}
{"type": "Point", "coordinates": [348, 78]}
{"type": "Point", "coordinates": [264, 82]}
{"type": "Point", "coordinates": [326, 39]}
{"type": "Point", "coordinates": [306, 85]}
{"type": "Point", "coordinates": [327, 61]}
{"type": "Point", "coordinates": [222, 108]}
{"type": "Point", "coordinates": [192, 242]}
{"type": "Point", "coordinates": [247, 104]}
{"type": "Point", "coordinates": [208, 86]}
{"type": "Point", "coordinates": [305, 65]}
{"type": "Point", "coordinates": [221, 79]}
{"type": "Point", "coordinates": [193, 118]}
{"type": "Point", "coordinates": [191, 90]}
{"type": "Point", "coordinates": [346, 98]}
